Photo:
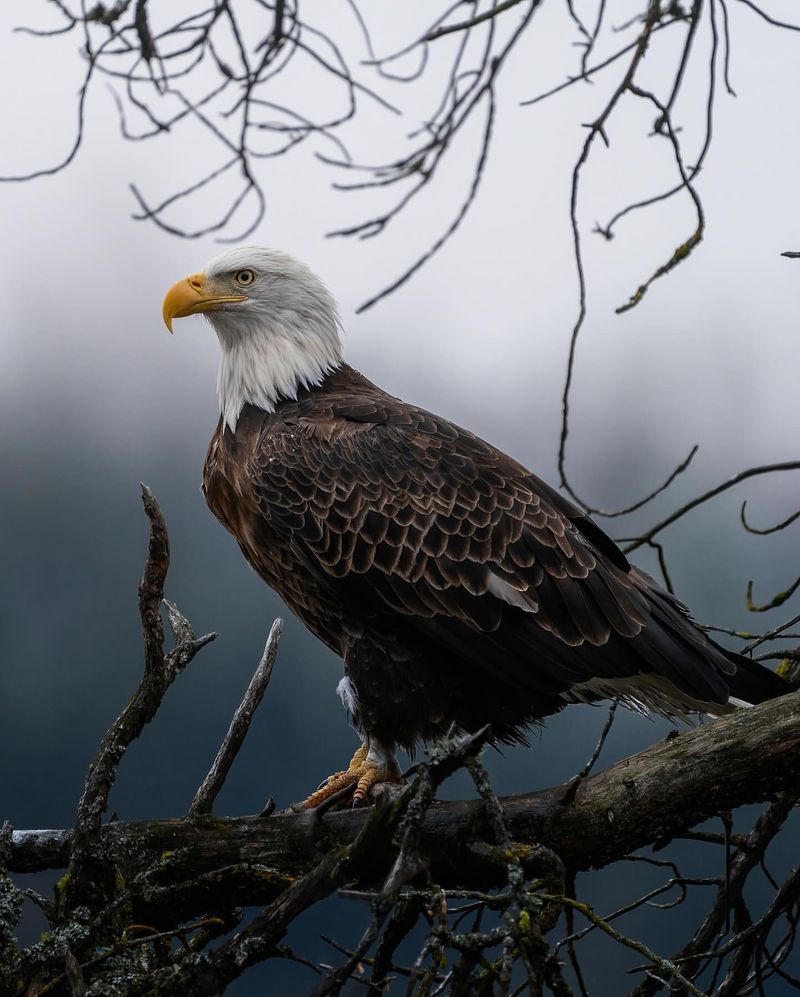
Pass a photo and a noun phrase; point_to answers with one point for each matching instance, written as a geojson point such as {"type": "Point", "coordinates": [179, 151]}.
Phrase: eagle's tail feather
{"type": "Point", "coordinates": [753, 683]}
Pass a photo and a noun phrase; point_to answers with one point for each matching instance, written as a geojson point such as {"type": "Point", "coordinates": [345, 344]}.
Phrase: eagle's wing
{"type": "Point", "coordinates": [404, 513]}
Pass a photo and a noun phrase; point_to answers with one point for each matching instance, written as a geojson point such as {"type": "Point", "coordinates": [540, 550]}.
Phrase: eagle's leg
{"type": "Point", "coordinates": [338, 781]}
{"type": "Point", "coordinates": [380, 765]}
{"type": "Point", "coordinates": [370, 765]}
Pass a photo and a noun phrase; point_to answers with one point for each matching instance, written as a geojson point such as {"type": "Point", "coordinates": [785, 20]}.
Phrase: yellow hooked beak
{"type": "Point", "coordinates": [191, 295]}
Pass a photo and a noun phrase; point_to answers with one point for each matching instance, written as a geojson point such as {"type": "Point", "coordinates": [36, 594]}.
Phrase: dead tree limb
{"type": "Point", "coordinates": [646, 799]}
{"type": "Point", "coordinates": [240, 724]}
{"type": "Point", "coordinates": [161, 669]}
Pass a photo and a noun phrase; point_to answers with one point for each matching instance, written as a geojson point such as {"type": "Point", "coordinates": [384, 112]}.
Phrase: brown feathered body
{"type": "Point", "coordinates": [458, 587]}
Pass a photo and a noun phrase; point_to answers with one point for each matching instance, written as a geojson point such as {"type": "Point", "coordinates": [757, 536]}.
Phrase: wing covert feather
{"type": "Point", "coordinates": [439, 524]}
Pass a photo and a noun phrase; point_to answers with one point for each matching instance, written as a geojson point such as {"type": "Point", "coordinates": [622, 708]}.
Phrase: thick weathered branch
{"type": "Point", "coordinates": [750, 756]}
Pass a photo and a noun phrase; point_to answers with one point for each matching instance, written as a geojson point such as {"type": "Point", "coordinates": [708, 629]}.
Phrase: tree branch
{"type": "Point", "coordinates": [160, 670]}
{"type": "Point", "coordinates": [646, 799]}
{"type": "Point", "coordinates": [240, 724]}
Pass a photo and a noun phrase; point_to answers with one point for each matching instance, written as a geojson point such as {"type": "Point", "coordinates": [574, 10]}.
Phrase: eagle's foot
{"type": "Point", "coordinates": [369, 767]}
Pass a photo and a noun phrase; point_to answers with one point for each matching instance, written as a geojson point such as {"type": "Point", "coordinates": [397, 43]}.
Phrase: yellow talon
{"type": "Point", "coordinates": [365, 784]}
{"type": "Point", "coordinates": [362, 774]}
{"type": "Point", "coordinates": [358, 758]}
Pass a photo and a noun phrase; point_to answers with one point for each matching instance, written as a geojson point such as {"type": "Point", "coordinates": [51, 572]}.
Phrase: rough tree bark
{"type": "Point", "coordinates": [648, 798]}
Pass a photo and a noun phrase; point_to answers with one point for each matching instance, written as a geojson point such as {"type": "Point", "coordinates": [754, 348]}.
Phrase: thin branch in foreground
{"type": "Point", "coordinates": [665, 967]}
{"type": "Point", "coordinates": [455, 110]}
{"type": "Point", "coordinates": [575, 782]}
{"type": "Point", "coordinates": [633, 543]}
{"type": "Point", "coordinates": [210, 787]}
{"type": "Point", "coordinates": [777, 600]}
{"type": "Point", "coordinates": [696, 237]}
{"type": "Point", "coordinates": [635, 506]}
{"type": "Point", "coordinates": [777, 631]}
{"type": "Point", "coordinates": [596, 129]}
{"type": "Point", "coordinates": [748, 855]}
{"type": "Point", "coordinates": [769, 529]}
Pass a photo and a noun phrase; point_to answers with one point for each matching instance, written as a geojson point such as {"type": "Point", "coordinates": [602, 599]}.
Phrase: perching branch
{"type": "Point", "coordinates": [648, 798]}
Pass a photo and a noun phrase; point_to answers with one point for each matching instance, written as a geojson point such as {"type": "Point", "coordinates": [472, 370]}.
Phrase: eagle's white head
{"type": "Point", "coordinates": [277, 324]}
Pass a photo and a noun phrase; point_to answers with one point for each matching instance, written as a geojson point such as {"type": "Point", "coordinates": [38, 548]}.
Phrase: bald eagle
{"type": "Point", "coordinates": [460, 589]}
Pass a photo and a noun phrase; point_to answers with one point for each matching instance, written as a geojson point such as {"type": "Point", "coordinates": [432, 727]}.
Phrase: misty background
{"type": "Point", "coordinates": [95, 397]}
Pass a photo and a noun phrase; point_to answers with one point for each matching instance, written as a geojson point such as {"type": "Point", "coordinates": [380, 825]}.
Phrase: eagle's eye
{"type": "Point", "coordinates": [244, 278]}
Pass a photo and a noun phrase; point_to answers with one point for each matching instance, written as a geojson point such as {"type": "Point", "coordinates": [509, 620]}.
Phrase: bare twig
{"type": "Point", "coordinates": [769, 529]}
{"type": "Point", "coordinates": [208, 791]}
{"type": "Point", "coordinates": [681, 511]}
{"type": "Point", "coordinates": [575, 782]}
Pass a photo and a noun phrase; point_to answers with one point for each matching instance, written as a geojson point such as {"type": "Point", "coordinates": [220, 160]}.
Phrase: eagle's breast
{"type": "Point", "coordinates": [256, 516]}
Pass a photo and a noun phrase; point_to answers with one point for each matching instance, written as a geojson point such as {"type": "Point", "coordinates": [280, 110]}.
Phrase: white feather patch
{"type": "Point", "coordinates": [347, 693]}
{"type": "Point", "coordinates": [502, 590]}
